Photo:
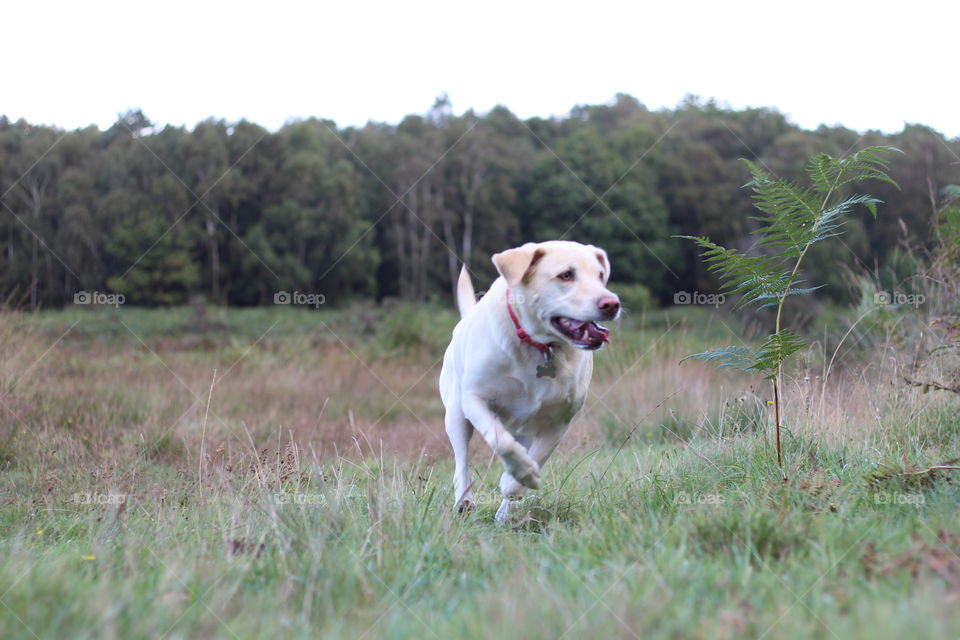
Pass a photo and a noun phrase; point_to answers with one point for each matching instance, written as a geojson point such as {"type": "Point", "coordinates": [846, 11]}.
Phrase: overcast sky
{"type": "Point", "coordinates": [77, 63]}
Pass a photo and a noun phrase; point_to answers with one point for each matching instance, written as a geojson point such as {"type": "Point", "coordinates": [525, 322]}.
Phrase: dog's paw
{"type": "Point", "coordinates": [466, 506]}
{"type": "Point", "coordinates": [522, 467]}
{"type": "Point", "coordinates": [503, 513]}
{"type": "Point", "coordinates": [530, 478]}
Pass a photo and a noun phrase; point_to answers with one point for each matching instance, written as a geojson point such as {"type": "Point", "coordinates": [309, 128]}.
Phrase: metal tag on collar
{"type": "Point", "coordinates": [548, 369]}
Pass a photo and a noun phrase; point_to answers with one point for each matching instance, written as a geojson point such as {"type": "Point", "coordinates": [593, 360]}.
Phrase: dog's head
{"type": "Point", "coordinates": [561, 287]}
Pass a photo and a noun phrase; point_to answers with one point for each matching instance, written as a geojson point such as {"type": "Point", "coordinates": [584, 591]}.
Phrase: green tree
{"type": "Point", "coordinates": [313, 221]}
{"type": "Point", "coordinates": [588, 193]}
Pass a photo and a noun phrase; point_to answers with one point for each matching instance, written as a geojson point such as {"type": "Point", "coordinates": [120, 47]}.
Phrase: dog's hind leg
{"type": "Point", "coordinates": [459, 430]}
{"type": "Point", "coordinates": [544, 445]}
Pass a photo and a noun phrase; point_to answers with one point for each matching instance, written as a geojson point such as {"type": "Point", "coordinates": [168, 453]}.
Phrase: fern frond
{"type": "Point", "coordinates": [788, 212]}
{"type": "Point", "coordinates": [775, 349]}
{"type": "Point", "coordinates": [767, 358]}
{"type": "Point", "coordinates": [774, 300]}
{"type": "Point", "coordinates": [950, 192]}
{"type": "Point", "coordinates": [828, 173]}
{"type": "Point", "coordinates": [793, 217]}
{"type": "Point", "coordinates": [831, 218]}
{"type": "Point", "coordinates": [754, 278]}
{"type": "Point", "coordinates": [741, 358]}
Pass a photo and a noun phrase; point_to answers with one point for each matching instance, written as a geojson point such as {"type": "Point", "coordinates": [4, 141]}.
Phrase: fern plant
{"type": "Point", "coordinates": [948, 226]}
{"type": "Point", "coordinates": [792, 219]}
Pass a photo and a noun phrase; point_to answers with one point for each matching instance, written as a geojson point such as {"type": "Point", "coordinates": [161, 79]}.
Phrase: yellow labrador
{"type": "Point", "coordinates": [520, 361]}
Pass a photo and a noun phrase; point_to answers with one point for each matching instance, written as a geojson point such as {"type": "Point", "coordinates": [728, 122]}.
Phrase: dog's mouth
{"type": "Point", "coordinates": [581, 334]}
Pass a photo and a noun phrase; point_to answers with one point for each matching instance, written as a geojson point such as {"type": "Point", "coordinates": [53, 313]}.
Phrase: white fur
{"type": "Point", "coordinates": [489, 382]}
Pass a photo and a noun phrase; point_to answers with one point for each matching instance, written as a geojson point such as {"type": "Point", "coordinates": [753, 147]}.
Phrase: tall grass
{"type": "Point", "coordinates": [319, 505]}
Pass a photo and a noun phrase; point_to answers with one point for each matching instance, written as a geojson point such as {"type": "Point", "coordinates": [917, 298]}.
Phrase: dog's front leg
{"type": "Point", "coordinates": [540, 449]}
{"type": "Point", "coordinates": [514, 456]}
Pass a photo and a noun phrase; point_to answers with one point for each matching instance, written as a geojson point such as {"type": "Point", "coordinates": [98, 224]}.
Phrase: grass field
{"type": "Point", "coordinates": [284, 473]}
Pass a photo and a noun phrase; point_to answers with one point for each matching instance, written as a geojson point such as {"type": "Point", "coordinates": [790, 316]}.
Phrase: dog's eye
{"type": "Point", "coordinates": [566, 276]}
{"type": "Point", "coordinates": [601, 276]}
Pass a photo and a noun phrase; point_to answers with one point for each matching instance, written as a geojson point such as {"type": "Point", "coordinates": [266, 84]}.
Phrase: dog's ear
{"type": "Point", "coordinates": [516, 265]}
{"type": "Point", "coordinates": [604, 263]}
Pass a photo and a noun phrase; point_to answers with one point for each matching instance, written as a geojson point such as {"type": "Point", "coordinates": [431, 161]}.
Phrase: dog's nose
{"type": "Point", "coordinates": [609, 306]}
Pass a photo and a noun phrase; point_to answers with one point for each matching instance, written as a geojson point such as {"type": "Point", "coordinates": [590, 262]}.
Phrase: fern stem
{"type": "Point", "coordinates": [780, 303]}
{"type": "Point", "coordinates": [776, 378]}
{"type": "Point", "coordinates": [776, 408]}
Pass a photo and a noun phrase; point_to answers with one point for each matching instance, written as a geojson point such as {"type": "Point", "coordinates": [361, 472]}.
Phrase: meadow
{"type": "Point", "coordinates": [283, 472]}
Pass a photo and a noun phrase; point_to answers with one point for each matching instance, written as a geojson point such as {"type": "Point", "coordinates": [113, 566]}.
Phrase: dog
{"type": "Point", "coordinates": [520, 360]}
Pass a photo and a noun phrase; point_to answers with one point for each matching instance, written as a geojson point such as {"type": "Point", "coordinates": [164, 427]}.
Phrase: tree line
{"type": "Point", "coordinates": [235, 213]}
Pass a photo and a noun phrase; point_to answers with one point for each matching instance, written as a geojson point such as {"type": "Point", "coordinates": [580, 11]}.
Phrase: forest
{"type": "Point", "coordinates": [231, 213]}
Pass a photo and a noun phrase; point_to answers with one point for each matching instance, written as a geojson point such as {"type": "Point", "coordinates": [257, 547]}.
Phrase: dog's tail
{"type": "Point", "coordinates": [466, 298]}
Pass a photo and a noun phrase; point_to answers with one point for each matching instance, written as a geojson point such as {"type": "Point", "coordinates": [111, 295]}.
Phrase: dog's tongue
{"type": "Point", "coordinates": [597, 332]}
{"type": "Point", "coordinates": [586, 331]}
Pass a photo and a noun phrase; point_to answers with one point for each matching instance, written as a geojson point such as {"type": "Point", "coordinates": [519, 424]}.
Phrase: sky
{"type": "Point", "coordinates": [865, 65]}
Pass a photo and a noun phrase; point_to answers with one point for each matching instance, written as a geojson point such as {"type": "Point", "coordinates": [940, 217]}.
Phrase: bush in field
{"type": "Point", "coordinates": [410, 328]}
{"type": "Point", "coordinates": [792, 219]}
{"type": "Point", "coordinates": [948, 227]}
{"type": "Point", "coordinates": [937, 367]}
{"type": "Point", "coordinates": [634, 297]}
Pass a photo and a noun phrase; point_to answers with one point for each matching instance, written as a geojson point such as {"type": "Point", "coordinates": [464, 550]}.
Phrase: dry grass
{"type": "Point", "coordinates": [130, 397]}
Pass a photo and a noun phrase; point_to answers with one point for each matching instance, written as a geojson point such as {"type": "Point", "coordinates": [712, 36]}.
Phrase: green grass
{"type": "Point", "coordinates": [696, 537]}
{"type": "Point", "coordinates": [660, 541]}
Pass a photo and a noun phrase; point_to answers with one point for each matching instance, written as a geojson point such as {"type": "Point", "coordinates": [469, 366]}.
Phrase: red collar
{"type": "Point", "coordinates": [521, 333]}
